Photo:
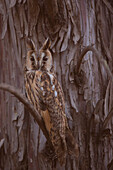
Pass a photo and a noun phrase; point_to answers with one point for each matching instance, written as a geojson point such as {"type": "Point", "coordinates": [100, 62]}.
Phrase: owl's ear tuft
{"type": "Point", "coordinates": [46, 44]}
{"type": "Point", "coordinates": [30, 44]}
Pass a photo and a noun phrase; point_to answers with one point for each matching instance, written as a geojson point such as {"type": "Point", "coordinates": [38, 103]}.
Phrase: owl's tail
{"type": "Point", "coordinates": [60, 148]}
{"type": "Point", "coordinates": [72, 146]}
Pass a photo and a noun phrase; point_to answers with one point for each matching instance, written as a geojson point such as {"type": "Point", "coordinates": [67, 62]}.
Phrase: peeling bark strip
{"type": "Point", "coordinates": [26, 103]}
{"type": "Point", "coordinates": [109, 116]}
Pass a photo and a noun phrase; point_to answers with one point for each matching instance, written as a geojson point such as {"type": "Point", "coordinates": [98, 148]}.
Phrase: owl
{"type": "Point", "coordinates": [45, 93]}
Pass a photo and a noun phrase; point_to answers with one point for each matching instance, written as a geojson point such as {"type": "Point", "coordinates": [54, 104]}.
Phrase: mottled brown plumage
{"type": "Point", "coordinates": [45, 93]}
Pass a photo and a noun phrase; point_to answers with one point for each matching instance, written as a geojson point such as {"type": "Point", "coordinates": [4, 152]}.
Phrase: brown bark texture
{"type": "Point", "coordinates": [71, 25]}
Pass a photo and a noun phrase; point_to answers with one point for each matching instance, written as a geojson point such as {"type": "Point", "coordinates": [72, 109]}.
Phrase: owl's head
{"type": "Point", "coordinates": [45, 56]}
{"type": "Point", "coordinates": [31, 58]}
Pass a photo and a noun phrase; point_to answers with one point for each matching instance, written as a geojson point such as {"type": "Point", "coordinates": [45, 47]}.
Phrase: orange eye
{"type": "Point", "coordinates": [45, 58]}
{"type": "Point", "coordinates": [32, 58]}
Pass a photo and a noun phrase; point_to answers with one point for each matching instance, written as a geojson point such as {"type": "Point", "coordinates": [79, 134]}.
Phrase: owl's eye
{"type": "Point", "coordinates": [45, 58]}
{"type": "Point", "coordinates": [32, 58]}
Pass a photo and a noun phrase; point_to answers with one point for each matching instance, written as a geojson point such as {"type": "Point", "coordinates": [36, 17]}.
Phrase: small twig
{"type": "Point", "coordinates": [108, 6]}
{"type": "Point", "coordinates": [99, 58]}
{"type": "Point", "coordinates": [109, 116]}
{"type": "Point", "coordinates": [26, 103]}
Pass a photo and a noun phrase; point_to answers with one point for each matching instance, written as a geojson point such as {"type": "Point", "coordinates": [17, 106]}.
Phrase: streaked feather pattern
{"type": "Point", "coordinates": [45, 93]}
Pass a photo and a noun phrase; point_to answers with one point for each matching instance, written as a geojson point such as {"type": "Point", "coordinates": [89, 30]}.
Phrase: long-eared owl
{"type": "Point", "coordinates": [45, 93]}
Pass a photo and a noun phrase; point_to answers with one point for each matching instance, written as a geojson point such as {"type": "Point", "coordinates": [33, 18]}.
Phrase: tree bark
{"type": "Point", "coordinates": [72, 26]}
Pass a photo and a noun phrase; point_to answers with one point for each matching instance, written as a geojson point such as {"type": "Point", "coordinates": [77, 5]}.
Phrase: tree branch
{"type": "Point", "coordinates": [26, 103]}
{"type": "Point", "coordinates": [101, 61]}
{"type": "Point", "coordinates": [99, 58]}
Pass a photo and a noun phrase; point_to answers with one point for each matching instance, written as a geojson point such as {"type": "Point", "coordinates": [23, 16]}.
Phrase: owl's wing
{"type": "Point", "coordinates": [50, 95]}
{"type": "Point", "coordinates": [46, 95]}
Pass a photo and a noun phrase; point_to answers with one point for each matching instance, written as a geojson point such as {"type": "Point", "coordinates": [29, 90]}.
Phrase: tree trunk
{"type": "Point", "coordinates": [71, 25]}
